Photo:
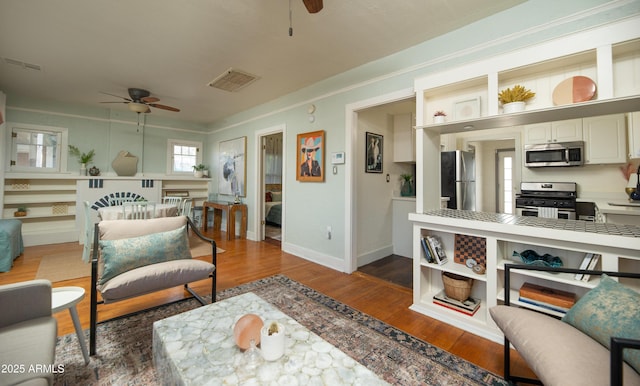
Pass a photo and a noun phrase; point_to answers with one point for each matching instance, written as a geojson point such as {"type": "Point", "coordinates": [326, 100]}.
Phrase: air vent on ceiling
{"type": "Point", "coordinates": [233, 80]}
{"type": "Point", "coordinates": [24, 65]}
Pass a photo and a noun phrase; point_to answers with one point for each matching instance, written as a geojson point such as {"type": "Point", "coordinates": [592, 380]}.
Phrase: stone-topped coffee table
{"type": "Point", "coordinates": [197, 348]}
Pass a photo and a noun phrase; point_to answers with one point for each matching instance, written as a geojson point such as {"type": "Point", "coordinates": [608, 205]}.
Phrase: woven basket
{"type": "Point", "coordinates": [456, 286]}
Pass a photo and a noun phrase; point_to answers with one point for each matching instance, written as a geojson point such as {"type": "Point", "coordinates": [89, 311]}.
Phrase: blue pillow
{"type": "Point", "coordinates": [610, 309]}
{"type": "Point", "coordinates": [119, 256]}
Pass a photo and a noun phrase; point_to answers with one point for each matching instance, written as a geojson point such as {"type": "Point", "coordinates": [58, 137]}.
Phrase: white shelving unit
{"type": "Point", "coordinates": [503, 235]}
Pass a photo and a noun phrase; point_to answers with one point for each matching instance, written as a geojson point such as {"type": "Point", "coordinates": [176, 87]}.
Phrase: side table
{"type": "Point", "coordinates": [67, 297]}
{"type": "Point", "coordinates": [231, 209]}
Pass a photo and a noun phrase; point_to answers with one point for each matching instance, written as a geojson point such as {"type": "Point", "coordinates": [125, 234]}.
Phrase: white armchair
{"type": "Point", "coordinates": [28, 333]}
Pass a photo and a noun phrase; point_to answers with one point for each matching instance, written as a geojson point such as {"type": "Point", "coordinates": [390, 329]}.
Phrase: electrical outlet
{"type": "Point", "coordinates": [329, 232]}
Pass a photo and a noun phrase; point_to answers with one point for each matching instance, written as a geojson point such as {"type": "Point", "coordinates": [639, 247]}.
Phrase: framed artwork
{"type": "Point", "coordinates": [310, 158]}
{"type": "Point", "coordinates": [373, 153]}
{"type": "Point", "coordinates": [232, 178]}
{"type": "Point", "coordinates": [466, 109]}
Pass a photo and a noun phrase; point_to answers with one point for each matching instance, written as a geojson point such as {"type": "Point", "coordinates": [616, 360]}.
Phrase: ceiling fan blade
{"type": "Point", "coordinates": [150, 99]}
{"type": "Point", "coordinates": [164, 107]}
{"type": "Point", "coordinates": [116, 102]}
{"type": "Point", "coordinates": [117, 96]}
{"type": "Point", "coordinates": [313, 6]}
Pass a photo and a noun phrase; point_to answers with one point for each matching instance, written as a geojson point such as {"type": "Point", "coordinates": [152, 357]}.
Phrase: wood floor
{"type": "Point", "coordinates": [245, 261]}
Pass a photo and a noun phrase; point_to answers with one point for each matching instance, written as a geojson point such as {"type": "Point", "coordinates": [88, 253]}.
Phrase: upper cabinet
{"type": "Point", "coordinates": [561, 131]}
{"type": "Point", "coordinates": [633, 128]}
{"type": "Point", "coordinates": [605, 139]}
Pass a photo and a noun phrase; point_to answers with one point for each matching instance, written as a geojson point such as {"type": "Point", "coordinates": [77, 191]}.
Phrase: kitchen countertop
{"type": "Point", "coordinates": [601, 236]}
{"type": "Point", "coordinates": [620, 205]}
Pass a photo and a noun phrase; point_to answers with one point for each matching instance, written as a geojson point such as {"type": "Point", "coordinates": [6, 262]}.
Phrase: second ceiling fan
{"type": "Point", "coordinates": [140, 100]}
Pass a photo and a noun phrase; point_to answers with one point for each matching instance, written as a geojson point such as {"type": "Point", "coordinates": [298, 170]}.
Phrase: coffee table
{"type": "Point", "coordinates": [197, 347]}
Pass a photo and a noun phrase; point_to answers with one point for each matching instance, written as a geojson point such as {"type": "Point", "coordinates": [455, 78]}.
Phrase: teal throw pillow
{"type": "Point", "coordinates": [610, 309]}
{"type": "Point", "coordinates": [119, 256]}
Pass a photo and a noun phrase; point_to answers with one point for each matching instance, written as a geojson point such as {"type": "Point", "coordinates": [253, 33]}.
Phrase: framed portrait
{"type": "Point", "coordinates": [232, 178]}
{"type": "Point", "coordinates": [466, 109]}
{"type": "Point", "coordinates": [310, 158]}
{"type": "Point", "coordinates": [373, 153]}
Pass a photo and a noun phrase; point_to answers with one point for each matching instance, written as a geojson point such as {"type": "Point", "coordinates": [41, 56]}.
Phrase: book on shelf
{"type": "Point", "coordinates": [469, 306]}
{"type": "Point", "coordinates": [437, 251]}
{"type": "Point", "coordinates": [530, 293]}
{"type": "Point", "coordinates": [544, 305]}
{"type": "Point", "coordinates": [592, 265]}
{"type": "Point", "coordinates": [584, 265]}
{"type": "Point", "coordinates": [427, 251]}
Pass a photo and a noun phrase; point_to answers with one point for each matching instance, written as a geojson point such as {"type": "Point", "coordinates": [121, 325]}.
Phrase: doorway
{"type": "Point", "coordinates": [505, 162]}
{"type": "Point", "coordinates": [272, 176]}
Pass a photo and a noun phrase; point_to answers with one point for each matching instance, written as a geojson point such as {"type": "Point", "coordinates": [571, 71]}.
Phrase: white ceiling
{"type": "Point", "coordinates": [175, 48]}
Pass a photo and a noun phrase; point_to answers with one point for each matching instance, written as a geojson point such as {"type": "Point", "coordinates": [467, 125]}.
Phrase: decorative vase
{"type": "Point", "coordinates": [94, 171]}
{"type": "Point", "coordinates": [438, 119]}
{"type": "Point", "coordinates": [83, 169]}
{"type": "Point", "coordinates": [125, 164]}
{"type": "Point", "coordinates": [198, 173]}
{"type": "Point", "coordinates": [635, 195]}
{"type": "Point", "coordinates": [272, 341]}
{"type": "Point", "coordinates": [407, 189]}
{"type": "Point", "coordinates": [19, 213]}
{"type": "Point", "coordinates": [513, 107]}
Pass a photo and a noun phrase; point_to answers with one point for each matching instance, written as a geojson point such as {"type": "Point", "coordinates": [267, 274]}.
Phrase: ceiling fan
{"type": "Point", "coordinates": [139, 101]}
{"type": "Point", "coordinates": [313, 6]}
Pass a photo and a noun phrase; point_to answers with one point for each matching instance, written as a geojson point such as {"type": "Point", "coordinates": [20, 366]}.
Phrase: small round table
{"type": "Point", "coordinates": [67, 297]}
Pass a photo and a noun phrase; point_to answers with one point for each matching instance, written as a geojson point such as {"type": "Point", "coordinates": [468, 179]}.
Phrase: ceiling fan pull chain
{"type": "Point", "coordinates": [290, 24]}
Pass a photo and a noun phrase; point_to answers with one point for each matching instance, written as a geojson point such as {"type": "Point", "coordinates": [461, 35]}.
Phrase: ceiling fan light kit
{"type": "Point", "coordinates": [139, 107]}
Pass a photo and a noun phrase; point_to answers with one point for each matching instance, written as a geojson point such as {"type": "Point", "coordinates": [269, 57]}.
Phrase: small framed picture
{"type": "Point", "coordinates": [373, 153]}
{"type": "Point", "coordinates": [466, 109]}
{"type": "Point", "coordinates": [310, 158]}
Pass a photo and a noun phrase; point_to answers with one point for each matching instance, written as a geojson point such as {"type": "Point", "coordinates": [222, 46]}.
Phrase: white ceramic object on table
{"type": "Point", "coordinates": [272, 346]}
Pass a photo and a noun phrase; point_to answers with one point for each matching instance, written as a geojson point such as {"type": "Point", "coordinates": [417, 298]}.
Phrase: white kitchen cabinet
{"type": "Point", "coordinates": [404, 138]}
{"type": "Point", "coordinates": [633, 128]}
{"type": "Point", "coordinates": [605, 139]}
{"type": "Point", "coordinates": [560, 131]}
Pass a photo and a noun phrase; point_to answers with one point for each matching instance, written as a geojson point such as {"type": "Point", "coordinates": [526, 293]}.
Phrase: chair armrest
{"type": "Point", "coordinates": [194, 228]}
{"type": "Point", "coordinates": [24, 301]}
{"type": "Point", "coordinates": [617, 346]}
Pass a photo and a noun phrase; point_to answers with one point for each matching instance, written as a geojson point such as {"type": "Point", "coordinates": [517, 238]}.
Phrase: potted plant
{"type": "Point", "coordinates": [513, 99]}
{"type": "Point", "coordinates": [83, 158]}
{"type": "Point", "coordinates": [406, 188]}
{"type": "Point", "coordinates": [439, 116]}
{"type": "Point", "coordinates": [198, 170]}
{"type": "Point", "coordinates": [21, 211]}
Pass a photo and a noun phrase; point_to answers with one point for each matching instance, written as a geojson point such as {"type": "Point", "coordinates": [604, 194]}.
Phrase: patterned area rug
{"type": "Point", "coordinates": [124, 345]}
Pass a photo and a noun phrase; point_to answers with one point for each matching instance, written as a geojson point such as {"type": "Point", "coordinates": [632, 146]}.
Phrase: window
{"type": "Point", "coordinates": [37, 148]}
{"type": "Point", "coordinates": [183, 156]}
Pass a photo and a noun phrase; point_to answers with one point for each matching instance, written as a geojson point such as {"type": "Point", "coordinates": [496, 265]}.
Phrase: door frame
{"type": "Point", "coordinates": [258, 212]}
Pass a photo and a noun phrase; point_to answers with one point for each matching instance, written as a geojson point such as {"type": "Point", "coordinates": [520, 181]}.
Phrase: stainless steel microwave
{"type": "Point", "coordinates": [554, 154]}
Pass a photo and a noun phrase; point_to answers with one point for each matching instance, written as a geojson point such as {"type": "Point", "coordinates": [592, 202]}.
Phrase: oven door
{"type": "Point", "coordinates": [532, 211]}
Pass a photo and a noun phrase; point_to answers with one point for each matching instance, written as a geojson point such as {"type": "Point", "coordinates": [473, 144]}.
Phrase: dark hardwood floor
{"type": "Point", "coordinates": [244, 261]}
{"type": "Point", "coordinates": [394, 269]}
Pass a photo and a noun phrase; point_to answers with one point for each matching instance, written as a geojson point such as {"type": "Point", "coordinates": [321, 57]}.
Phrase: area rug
{"type": "Point", "coordinates": [124, 355]}
{"type": "Point", "coordinates": [69, 265]}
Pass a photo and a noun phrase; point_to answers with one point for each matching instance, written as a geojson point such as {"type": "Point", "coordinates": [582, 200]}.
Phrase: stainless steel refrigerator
{"type": "Point", "coordinates": [458, 179]}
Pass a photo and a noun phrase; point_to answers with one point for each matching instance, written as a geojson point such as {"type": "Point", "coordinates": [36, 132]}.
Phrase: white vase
{"type": "Point", "coordinates": [272, 346]}
{"type": "Point", "coordinates": [438, 119]}
{"type": "Point", "coordinates": [513, 107]}
{"type": "Point", "coordinates": [125, 164]}
{"type": "Point", "coordinates": [83, 169]}
{"type": "Point", "coordinates": [198, 173]}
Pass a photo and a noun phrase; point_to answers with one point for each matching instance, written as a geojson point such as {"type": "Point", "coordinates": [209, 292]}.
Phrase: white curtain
{"type": "Point", "coordinates": [273, 159]}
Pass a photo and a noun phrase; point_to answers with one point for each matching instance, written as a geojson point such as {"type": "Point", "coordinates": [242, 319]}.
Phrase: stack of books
{"type": "Point", "coordinates": [468, 307]}
{"type": "Point", "coordinates": [433, 250]}
{"type": "Point", "coordinates": [589, 262]}
{"type": "Point", "coordinates": [548, 298]}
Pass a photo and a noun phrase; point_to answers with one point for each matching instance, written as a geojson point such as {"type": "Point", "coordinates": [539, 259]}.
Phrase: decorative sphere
{"type": "Point", "coordinates": [629, 190]}
{"type": "Point", "coordinates": [246, 329]}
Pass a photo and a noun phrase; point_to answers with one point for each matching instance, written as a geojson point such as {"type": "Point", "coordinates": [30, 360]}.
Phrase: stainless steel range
{"type": "Point", "coordinates": [547, 199]}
